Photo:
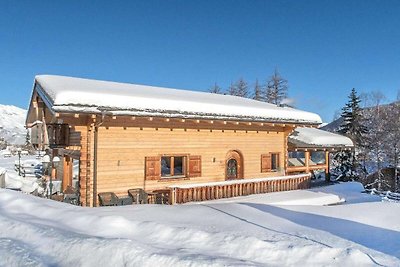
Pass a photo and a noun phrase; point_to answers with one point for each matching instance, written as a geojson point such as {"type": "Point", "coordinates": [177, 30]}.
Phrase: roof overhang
{"type": "Point", "coordinates": [312, 138]}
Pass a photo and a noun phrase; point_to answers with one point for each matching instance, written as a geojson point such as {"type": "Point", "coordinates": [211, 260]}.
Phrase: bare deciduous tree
{"type": "Point", "coordinates": [277, 88]}
{"type": "Point", "coordinates": [259, 93]}
{"type": "Point", "coordinates": [232, 90]}
{"type": "Point", "coordinates": [239, 88]}
{"type": "Point", "coordinates": [215, 89]}
{"type": "Point", "coordinates": [242, 88]}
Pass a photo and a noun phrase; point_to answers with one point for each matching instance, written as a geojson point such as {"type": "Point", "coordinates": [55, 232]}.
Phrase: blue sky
{"type": "Point", "coordinates": [323, 48]}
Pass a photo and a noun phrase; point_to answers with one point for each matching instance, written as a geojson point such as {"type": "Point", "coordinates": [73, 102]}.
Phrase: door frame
{"type": "Point", "coordinates": [236, 155]}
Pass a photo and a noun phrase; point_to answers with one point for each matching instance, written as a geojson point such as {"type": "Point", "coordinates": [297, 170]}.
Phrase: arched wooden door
{"type": "Point", "coordinates": [233, 165]}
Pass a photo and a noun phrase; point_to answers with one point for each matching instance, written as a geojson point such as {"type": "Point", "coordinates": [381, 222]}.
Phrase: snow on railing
{"type": "Point", "coordinates": [215, 190]}
{"type": "Point", "coordinates": [242, 181]}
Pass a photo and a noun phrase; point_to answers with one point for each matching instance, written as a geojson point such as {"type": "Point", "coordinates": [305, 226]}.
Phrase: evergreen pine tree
{"type": "Point", "coordinates": [352, 125]}
{"type": "Point", "coordinates": [27, 138]}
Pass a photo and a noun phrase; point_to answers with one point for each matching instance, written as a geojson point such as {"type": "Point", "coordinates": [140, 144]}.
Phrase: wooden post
{"type": "Point", "coordinates": [172, 196]}
{"type": "Point", "coordinates": [67, 172]}
{"type": "Point", "coordinates": [307, 158]}
{"type": "Point", "coordinates": [327, 172]}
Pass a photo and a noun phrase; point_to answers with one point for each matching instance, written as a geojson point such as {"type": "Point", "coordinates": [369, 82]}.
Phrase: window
{"type": "Point", "coordinates": [172, 166]}
{"type": "Point", "coordinates": [274, 161]}
{"type": "Point", "coordinates": [231, 169]}
{"type": "Point", "coordinates": [297, 158]}
{"type": "Point", "coordinates": [176, 166]}
{"type": "Point", "coordinates": [317, 158]}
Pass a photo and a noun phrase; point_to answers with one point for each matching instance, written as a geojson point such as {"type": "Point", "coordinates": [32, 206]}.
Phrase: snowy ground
{"type": "Point", "coordinates": [277, 229]}
{"type": "Point", "coordinates": [12, 180]}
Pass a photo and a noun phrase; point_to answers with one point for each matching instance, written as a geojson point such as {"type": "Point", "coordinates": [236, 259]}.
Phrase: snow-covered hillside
{"type": "Point", "coordinates": [12, 122]}
{"type": "Point", "coordinates": [276, 229]}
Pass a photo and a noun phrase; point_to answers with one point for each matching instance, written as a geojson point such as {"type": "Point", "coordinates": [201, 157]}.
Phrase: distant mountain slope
{"type": "Point", "coordinates": [12, 122]}
{"type": "Point", "coordinates": [335, 125]}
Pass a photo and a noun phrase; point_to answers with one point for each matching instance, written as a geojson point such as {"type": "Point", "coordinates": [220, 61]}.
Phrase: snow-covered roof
{"type": "Point", "coordinates": [68, 94]}
{"type": "Point", "coordinates": [310, 137]}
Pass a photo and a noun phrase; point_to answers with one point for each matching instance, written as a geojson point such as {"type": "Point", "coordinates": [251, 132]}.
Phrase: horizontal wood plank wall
{"type": "Point", "coordinates": [122, 152]}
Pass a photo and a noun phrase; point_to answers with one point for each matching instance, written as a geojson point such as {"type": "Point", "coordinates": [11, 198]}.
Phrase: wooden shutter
{"type": "Point", "coordinates": [153, 168]}
{"type": "Point", "coordinates": [194, 166]}
{"type": "Point", "coordinates": [265, 162]}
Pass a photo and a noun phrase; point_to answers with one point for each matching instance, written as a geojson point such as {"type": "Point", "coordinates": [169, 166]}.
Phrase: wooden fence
{"type": "Point", "coordinates": [209, 191]}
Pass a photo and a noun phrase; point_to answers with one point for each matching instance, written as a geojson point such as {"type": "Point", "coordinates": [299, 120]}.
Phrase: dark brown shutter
{"type": "Point", "coordinates": [265, 162]}
{"type": "Point", "coordinates": [194, 166]}
{"type": "Point", "coordinates": [153, 168]}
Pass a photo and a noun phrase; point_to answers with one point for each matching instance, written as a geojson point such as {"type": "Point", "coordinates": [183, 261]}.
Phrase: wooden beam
{"type": "Point", "coordinates": [307, 159]}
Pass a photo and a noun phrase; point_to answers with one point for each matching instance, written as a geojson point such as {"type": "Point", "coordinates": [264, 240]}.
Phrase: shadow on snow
{"type": "Point", "coordinates": [380, 239]}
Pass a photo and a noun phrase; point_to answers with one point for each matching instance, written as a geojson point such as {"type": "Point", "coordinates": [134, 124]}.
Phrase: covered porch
{"type": "Point", "coordinates": [310, 150]}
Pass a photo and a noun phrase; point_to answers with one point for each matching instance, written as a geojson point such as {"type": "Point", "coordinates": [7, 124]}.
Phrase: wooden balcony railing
{"type": "Point", "coordinates": [226, 189]}
{"type": "Point", "coordinates": [58, 135]}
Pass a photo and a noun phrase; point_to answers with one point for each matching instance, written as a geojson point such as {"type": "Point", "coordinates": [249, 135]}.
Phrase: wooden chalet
{"type": "Point", "coordinates": [113, 137]}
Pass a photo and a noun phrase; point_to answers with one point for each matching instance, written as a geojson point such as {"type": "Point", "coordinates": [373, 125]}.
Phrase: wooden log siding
{"type": "Point", "coordinates": [122, 153]}
{"type": "Point", "coordinates": [209, 191]}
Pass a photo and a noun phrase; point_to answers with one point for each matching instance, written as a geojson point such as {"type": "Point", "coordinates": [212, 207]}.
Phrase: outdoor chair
{"type": "Point", "coordinates": [162, 196]}
{"type": "Point", "coordinates": [138, 195]}
{"type": "Point", "coordinates": [108, 199]}
{"type": "Point", "coordinates": [71, 195]}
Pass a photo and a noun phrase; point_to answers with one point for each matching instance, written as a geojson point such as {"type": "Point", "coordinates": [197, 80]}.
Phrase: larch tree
{"type": "Point", "coordinates": [375, 141]}
{"type": "Point", "coordinates": [215, 89]}
{"type": "Point", "coordinates": [242, 88]}
{"type": "Point", "coordinates": [232, 90]}
{"type": "Point", "coordinates": [259, 93]}
{"type": "Point", "coordinates": [392, 142]}
{"type": "Point", "coordinates": [277, 88]}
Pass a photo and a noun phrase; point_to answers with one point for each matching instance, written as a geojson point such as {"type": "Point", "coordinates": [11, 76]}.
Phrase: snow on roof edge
{"type": "Point", "coordinates": [311, 137]}
{"type": "Point", "coordinates": [69, 94]}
